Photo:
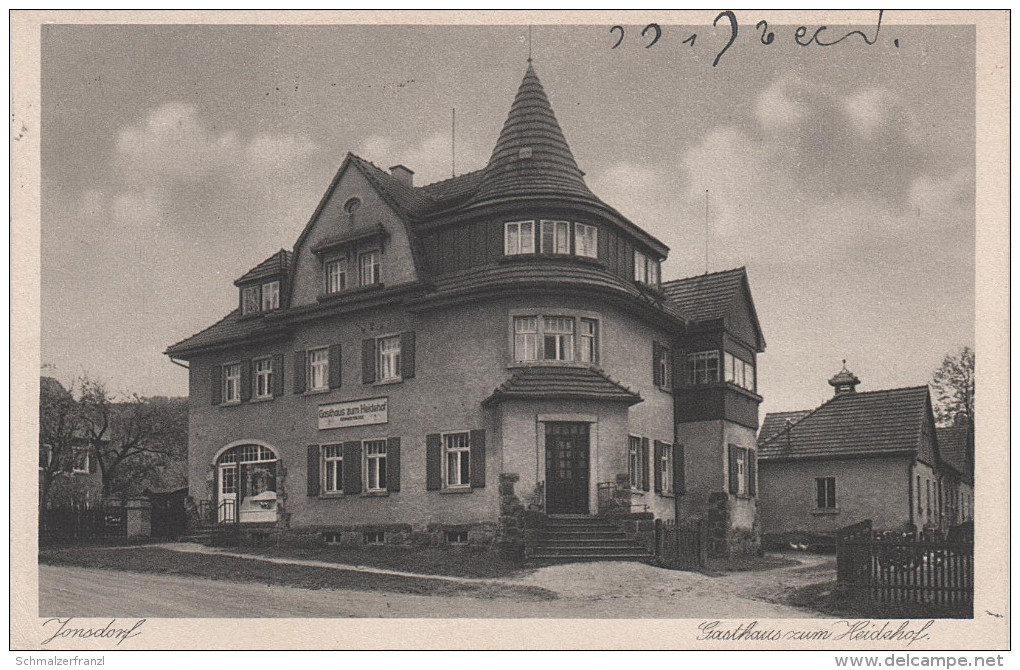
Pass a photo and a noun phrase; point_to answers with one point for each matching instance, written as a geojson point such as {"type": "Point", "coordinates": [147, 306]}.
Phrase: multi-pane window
{"type": "Point", "coordinates": [738, 372]}
{"type": "Point", "coordinates": [589, 340]}
{"type": "Point", "coordinates": [741, 461]}
{"type": "Point", "coordinates": [369, 267]}
{"type": "Point", "coordinates": [526, 338]}
{"type": "Point", "coordinates": [250, 299]}
{"type": "Point", "coordinates": [666, 468]}
{"type": "Point", "coordinates": [634, 465]}
{"type": "Point", "coordinates": [664, 366]}
{"type": "Point", "coordinates": [318, 369]}
{"type": "Point", "coordinates": [270, 296]}
{"type": "Point", "coordinates": [586, 240]}
{"type": "Point", "coordinates": [228, 479]}
{"type": "Point", "coordinates": [389, 358]}
{"type": "Point", "coordinates": [825, 493]}
{"type": "Point", "coordinates": [703, 367]}
{"type": "Point", "coordinates": [264, 378]}
{"type": "Point", "coordinates": [646, 269]}
{"type": "Point", "coordinates": [375, 465]}
{"type": "Point", "coordinates": [336, 275]}
{"type": "Point", "coordinates": [333, 468]}
{"type": "Point", "coordinates": [457, 460]}
{"type": "Point", "coordinates": [555, 237]}
{"type": "Point", "coordinates": [558, 338]}
{"type": "Point", "coordinates": [519, 238]}
{"type": "Point", "coordinates": [232, 382]}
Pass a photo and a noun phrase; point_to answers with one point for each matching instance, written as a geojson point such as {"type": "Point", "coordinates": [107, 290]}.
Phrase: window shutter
{"type": "Point", "coordinates": [752, 473]}
{"type": "Point", "coordinates": [656, 373]}
{"type": "Point", "coordinates": [734, 484]}
{"type": "Point", "coordinates": [433, 462]}
{"type": "Point", "coordinates": [299, 372]}
{"type": "Point", "coordinates": [393, 464]}
{"type": "Point", "coordinates": [477, 438]}
{"type": "Point", "coordinates": [368, 361]}
{"type": "Point", "coordinates": [407, 354]}
{"type": "Point", "coordinates": [657, 466]}
{"type": "Point", "coordinates": [246, 380]}
{"type": "Point", "coordinates": [313, 470]}
{"type": "Point", "coordinates": [277, 375]}
{"type": "Point", "coordinates": [352, 467]}
{"type": "Point", "coordinates": [217, 384]}
{"type": "Point", "coordinates": [678, 368]}
{"type": "Point", "coordinates": [335, 372]}
{"type": "Point", "coordinates": [678, 469]}
{"type": "Point", "coordinates": [644, 464]}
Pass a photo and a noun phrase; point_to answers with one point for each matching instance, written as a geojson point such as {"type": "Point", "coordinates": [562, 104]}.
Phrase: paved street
{"type": "Point", "coordinates": [585, 590]}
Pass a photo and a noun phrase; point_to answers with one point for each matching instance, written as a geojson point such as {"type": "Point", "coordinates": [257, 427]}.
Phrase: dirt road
{"type": "Point", "coordinates": [585, 590]}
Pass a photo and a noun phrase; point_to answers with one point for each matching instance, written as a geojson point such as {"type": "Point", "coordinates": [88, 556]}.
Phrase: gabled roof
{"type": "Point", "coordinates": [705, 297]}
{"type": "Point", "coordinates": [276, 265]}
{"type": "Point", "coordinates": [854, 424]}
{"type": "Point", "coordinates": [775, 422]}
{"type": "Point", "coordinates": [953, 442]}
{"type": "Point", "coordinates": [711, 296]}
{"type": "Point", "coordinates": [576, 383]}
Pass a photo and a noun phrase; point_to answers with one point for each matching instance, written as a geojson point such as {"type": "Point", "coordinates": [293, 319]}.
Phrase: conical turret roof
{"type": "Point", "coordinates": [532, 156]}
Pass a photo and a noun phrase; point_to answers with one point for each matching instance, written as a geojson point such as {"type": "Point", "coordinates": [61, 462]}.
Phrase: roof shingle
{"type": "Point", "coordinates": [547, 381]}
{"type": "Point", "coordinates": [854, 424]}
{"type": "Point", "coordinates": [953, 441]}
{"type": "Point", "coordinates": [705, 297]}
{"type": "Point", "coordinates": [276, 265]}
{"type": "Point", "coordinates": [776, 421]}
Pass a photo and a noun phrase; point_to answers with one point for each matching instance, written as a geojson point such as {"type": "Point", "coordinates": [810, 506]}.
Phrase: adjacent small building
{"type": "Point", "coordinates": [956, 449]}
{"type": "Point", "coordinates": [860, 455]}
{"type": "Point", "coordinates": [426, 353]}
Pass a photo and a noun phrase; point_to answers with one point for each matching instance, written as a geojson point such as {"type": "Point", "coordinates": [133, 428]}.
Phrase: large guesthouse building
{"type": "Point", "coordinates": [431, 361]}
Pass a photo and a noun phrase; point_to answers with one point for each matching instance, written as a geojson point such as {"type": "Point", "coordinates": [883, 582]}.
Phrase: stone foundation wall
{"type": "Point", "coordinates": [640, 526]}
{"type": "Point", "coordinates": [480, 536]}
{"type": "Point", "coordinates": [724, 539]}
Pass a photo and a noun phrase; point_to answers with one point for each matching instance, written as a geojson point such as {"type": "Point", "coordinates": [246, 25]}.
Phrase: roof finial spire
{"type": "Point", "coordinates": [529, 44]}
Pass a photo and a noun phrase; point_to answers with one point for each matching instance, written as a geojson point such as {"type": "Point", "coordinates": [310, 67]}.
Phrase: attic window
{"type": "Point", "coordinates": [352, 205]}
{"type": "Point", "coordinates": [525, 152]}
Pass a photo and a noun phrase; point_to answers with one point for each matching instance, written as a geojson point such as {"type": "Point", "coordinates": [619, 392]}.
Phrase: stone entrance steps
{"type": "Point", "coordinates": [584, 538]}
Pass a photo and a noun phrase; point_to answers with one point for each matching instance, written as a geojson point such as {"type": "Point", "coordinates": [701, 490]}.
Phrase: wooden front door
{"type": "Point", "coordinates": [566, 468]}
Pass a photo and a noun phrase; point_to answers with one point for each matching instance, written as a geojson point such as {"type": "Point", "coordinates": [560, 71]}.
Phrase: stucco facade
{"type": "Point", "coordinates": [419, 345]}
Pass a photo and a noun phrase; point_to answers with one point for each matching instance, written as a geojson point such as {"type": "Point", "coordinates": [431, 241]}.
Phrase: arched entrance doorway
{"type": "Point", "coordinates": [246, 484]}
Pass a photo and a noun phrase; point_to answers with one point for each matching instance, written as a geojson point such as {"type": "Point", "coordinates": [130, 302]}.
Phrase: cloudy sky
{"type": "Point", "coordinates": [176, 158]}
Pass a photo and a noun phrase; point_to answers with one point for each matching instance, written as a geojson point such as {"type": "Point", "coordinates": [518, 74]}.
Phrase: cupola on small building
{"type": "Point", "coordinates": [427, 359]}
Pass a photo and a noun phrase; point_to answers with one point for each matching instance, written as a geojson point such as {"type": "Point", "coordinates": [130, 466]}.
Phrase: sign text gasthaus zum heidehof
{"type": "Point", "coordinates": [365, 412]}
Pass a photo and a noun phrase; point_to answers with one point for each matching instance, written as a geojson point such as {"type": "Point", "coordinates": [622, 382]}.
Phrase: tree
{"type": "Point", "coordinates": [953, 384]}
{"type": "Point", "coordinates": [60, 423]}
{"type": "Point", "coordinates": [128, 439]}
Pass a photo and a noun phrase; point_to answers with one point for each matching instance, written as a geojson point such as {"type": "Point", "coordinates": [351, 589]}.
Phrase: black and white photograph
{"type": "Point", "coordinates": [649, 318]}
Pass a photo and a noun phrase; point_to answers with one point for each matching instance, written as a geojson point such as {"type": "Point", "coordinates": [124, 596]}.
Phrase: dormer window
{"type": "Point", "coordinates": [646, 269]}
{"type": "Point", "coordinates": [250, 300]}
{"type": "Point", "coordinates": [369, 268]}
{"type": "Point", "coordinates": [352, 205]}
{"type": "Point", "coordinates": [270, 296]}
{"type": "Point", "coordinates": [336, 275]}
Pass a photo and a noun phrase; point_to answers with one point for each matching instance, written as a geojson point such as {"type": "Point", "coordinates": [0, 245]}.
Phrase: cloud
{"type": "Point", "coordinates": [868, 109]}
{"type": "Point", "coordinates": [429, 158]}
{"type": "Point", "coordinates": [781, 104]}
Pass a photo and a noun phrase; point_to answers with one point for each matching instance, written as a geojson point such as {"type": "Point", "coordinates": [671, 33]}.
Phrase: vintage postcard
{"type": "Point", "coordinates": [520, 330]}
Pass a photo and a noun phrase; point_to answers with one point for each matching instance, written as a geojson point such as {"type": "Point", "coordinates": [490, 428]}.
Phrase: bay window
{"type": "Point", "coordinates": [703, 367]}
{"type": "Point", "coordinates": [589, 340]}
{"type": "Point", "coordinates": [558, 338]}
{"type": "Point", "coordinates": [555, 237]}
{"type": "Point", "coordinates": [646, 269]}
{"type": "Point", "coordinates": [739, 372]}
{"type": "Point", "coordinates": [526, 338]}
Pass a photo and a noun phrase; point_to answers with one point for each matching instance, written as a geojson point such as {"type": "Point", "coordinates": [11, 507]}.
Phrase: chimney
{"type": "Point", "coordinates": [402, 173]}
{"type": "Point", "coordinates": [844, 381]}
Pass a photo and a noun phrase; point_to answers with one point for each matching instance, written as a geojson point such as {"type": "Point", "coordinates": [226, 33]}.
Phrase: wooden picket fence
{"type": "Point", "coordinates": [902, 569]}
{"type": "Point", "coordinates": [83, 523]}
{"type": "Point", "coordinates": [683, 546]}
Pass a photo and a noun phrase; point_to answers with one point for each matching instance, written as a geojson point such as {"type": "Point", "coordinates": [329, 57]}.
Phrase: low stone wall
{"type": "Point", "coordinates": [639, 526]}
{"type": "Point", "coordinates": [480, 536]}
